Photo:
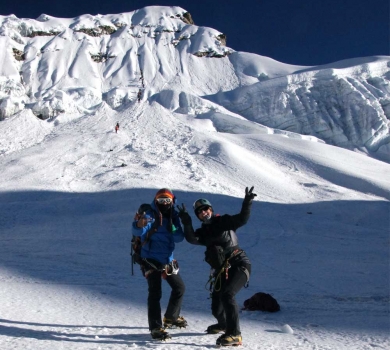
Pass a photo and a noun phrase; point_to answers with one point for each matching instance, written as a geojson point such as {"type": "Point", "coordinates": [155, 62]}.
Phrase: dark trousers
{"type": "Point", "coordinates": [154, 297]}
{"type": "Point", "coordinates": [223, 303]}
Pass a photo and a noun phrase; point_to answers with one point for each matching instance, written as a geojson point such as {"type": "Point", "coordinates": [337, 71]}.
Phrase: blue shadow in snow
{"type": "Point", "coordinates": [83, 239]}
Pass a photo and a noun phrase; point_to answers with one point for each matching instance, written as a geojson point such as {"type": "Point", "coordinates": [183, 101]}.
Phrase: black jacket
{"type": "Point", "coordinates": [221, 231]}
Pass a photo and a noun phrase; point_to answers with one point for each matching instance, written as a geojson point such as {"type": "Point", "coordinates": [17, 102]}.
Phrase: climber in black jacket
{"type": "Point", "coordinates": [231, 266]}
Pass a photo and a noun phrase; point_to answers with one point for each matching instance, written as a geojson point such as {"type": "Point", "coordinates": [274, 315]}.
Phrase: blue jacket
{"type": "Point", "coordinates": [161, 243]}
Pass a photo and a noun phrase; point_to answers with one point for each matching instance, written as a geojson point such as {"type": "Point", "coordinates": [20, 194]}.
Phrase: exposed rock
{"type": "Point", "coordinates": [201, 54]}
{"type": "Point", "coordinates": [99, 31]}
{"type": "Point", "coordinates": [42, 33]}
{"type": "Point", "coordinates": [222, 38]}
{"type": "Point", "coordinates": [186, 18]}
{"type": "Point", "coordinates": [348, 108]}
{"type": "Point", "coordinates": [19, 55]}
{"type": "Point", "coordinates": [101, 57]}
{"type": "Point", "coordinates": [212, 53]}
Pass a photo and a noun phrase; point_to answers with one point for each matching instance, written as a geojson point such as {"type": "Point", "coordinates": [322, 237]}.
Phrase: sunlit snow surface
{"type": "Point", "coordinates": [318, 236]}
{"type": "Point", "coordinates": [53, 66]}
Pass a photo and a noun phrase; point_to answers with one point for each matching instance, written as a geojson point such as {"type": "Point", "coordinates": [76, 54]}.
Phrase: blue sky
{"type": "Point", "coordinates": [302, 32]}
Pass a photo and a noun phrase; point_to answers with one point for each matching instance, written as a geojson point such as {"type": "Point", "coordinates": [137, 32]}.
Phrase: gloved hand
{"type": "Point", "coordinates": [142, 219]}
{"type": "Point", "coordinates": [183, 215]}
{"type": "Point", "coordinates": [249, 195]}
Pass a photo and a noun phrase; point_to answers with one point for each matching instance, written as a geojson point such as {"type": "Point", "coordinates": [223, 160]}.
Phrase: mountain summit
{"type": "Point", "coordinates": [68, 68]}
{"type": "Point", "coordinates": [99, 112]}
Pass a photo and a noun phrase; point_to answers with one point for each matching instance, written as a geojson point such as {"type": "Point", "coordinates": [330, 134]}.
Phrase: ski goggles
{"type": "Point", "coordinates": [164, 200]}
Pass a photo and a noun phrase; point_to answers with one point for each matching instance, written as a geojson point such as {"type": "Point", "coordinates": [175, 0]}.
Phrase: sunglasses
{"type": "Point", "coordinates": [164, 200]}
{"type": "Point", "coordinates": [198, 211]}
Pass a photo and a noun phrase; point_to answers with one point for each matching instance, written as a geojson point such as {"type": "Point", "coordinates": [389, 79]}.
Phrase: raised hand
{"type": "Point", "coordinates": [249, 195]}
{"type": "Point", "coordinates": [143, 219]}
{"type": "Point", "coordinates": [183, 215]}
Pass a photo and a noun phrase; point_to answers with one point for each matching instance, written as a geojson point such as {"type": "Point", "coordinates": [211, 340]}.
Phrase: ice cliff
{"type": "Point", "coordinates": [55, 66]}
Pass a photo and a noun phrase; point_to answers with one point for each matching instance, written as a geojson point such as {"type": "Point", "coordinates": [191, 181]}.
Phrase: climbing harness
{"type": "Point", "coordinates": [166, 270]}
{"type": "Point", "coordinates": [215, 280]}
{"type": "Point", "coordinates": [170, 269]}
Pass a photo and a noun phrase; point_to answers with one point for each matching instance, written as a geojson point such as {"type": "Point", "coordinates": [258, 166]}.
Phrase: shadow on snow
{"type": "Point", "coordinates": [326, 251]}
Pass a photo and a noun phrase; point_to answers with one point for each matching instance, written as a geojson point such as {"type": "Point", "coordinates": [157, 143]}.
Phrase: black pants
{"type": "Point", "coordinates": [223, 303]}
{"type": "Point", "coordinates": [154, 297]}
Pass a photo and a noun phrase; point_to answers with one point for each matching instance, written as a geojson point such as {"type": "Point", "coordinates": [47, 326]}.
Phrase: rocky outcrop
{"type": "Point", "coordinates": [99, 31]}
{"type": "Point", "coordinates": [19, 55]}
{"type": "Point", "coordinates": [212, 53]}
{"type": "Point", "coordinates": [222, 39]}
{"type": "Point", "coordinates": [98, 59]}
{"type": "Point", "coordinates": [186, 18]}
{"type": "Point", "coordinates": [41, 33]}
{"type": "Point", "coordinates": [101, 57]}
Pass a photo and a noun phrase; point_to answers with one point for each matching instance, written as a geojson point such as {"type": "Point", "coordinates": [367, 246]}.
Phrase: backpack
{"type": "Point", "coordinates": [136, 246]}
{"type": "Point", "coordinates": [261, 301]}
{"type": "Point", "coordinates": [136, 243]}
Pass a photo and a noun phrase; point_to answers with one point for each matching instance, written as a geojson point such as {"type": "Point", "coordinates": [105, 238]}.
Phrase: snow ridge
{"type": "Point", "coordinates": [318, 235]}
{"type": "Point", "coordinates": [55, 66]}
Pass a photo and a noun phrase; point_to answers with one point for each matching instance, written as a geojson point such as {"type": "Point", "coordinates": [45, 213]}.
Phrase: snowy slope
{"type": "Point", "coordinates": [54, 66]}
{"type": "Point", "coordinates": [318, 235]}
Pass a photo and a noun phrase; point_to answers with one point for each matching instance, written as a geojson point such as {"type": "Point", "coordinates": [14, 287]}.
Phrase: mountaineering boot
{"type": "Point", "coordinates": [179, 322]}
{"type": "Point", "coordinates": [160, 334]}
{"type": "Point", "coordinates": [215, 329]}
{"type": "Point", "coordinates": [229, 340]}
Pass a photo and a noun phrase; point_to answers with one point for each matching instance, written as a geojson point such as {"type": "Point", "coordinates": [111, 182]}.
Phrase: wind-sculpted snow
{"type": "Point", "coordinates": [317, 236]}
{"type": "Point", "coordinates": [101, 54]}
{"type": "Point", "coordinates": [73, 66]}
{"type": "Point", "coordinates": [344, 107]}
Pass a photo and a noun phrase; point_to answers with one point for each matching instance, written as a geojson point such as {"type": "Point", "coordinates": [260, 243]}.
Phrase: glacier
{"type": "Point", "coordinates": [70, 67]}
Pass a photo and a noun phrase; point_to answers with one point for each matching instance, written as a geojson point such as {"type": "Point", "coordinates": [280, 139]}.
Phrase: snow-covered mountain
{"type": "Point", "coordinates": [210, 122]}
{"type": "Point", "coordinates": [52, 66]}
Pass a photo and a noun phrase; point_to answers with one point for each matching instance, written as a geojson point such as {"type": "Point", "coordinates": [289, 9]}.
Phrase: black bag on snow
{"type": "Point", "coordinates": [261, 301]}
